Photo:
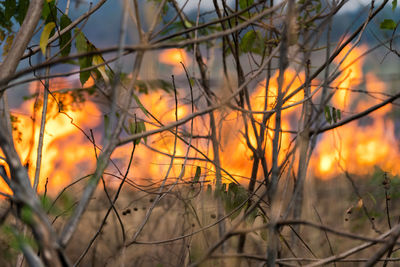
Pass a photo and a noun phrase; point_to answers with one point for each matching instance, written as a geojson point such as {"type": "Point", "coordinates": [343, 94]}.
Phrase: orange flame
{"type": "Point", "coordinates": [67, 153]}
{"type": "Point", "coordinates": [358, 146]}
{"type": "Point", "coordinates": [65, 148]}
{"type": "Point", "coordinates": [351, 76]}
{"type": "Point", "coordinates": [174, 57]}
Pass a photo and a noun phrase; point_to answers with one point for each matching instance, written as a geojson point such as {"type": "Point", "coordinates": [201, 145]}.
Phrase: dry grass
{"type": "Point", "coordinates": [184, 211]}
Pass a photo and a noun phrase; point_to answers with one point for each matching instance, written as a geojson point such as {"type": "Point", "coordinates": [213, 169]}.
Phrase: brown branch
{"type": "Point", "coordinates": [357, 116]}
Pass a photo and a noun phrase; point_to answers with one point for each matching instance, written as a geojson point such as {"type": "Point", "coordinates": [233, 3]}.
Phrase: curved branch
{"type": "Point", "coordinates": [24, 35]}
{"type": "Point", "coordinates": [356, 116]}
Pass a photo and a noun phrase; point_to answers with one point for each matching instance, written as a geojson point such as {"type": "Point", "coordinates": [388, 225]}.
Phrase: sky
{"type": "Point", "coordinates": [351, 5]}
{"type": "Point", "coordinates": [354, 4]}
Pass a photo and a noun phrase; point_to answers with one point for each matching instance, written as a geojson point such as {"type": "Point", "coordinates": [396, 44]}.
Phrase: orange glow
{"type": "Point", "coordinates": [66, 152]}
{"type": "Point", "coordinates": [356, 147]}
{"type": "Point", "coordinates": [174, 57]}
{"type": "Point", "coordinates": [326, 163]}
{"type": "Point", "coordinates": [351, 75]}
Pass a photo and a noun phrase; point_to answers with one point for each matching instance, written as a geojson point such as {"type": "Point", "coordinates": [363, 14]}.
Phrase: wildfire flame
{"type": "Point", "coordinates": [67, 153]}
{"type": "Point", "coordinates": [65, 149]}
{"type": "Point", "coordinates": [174, 57]}
{"type": "Point", "coordinates": [358, 146]}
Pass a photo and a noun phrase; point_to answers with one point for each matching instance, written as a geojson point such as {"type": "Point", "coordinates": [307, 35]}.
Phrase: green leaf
{"type": "Point", "coordinates": [245, 3]}
{"type": "Point", "coordinates": [44, 38]}
{"type": "Point", "coordinates": [98, 60]}
{"type": "Point", "coordinates": [334, 114]}
{"type": "Point", "coordinates": [137, 127]}
{"type": "Point", "coordinates": [66, 37]}
{"type": "Point", "coordinates": [188, 24]}
{"type": "Point", "coordinates": [21, 11]}
{"type": "Point", "coordinates": [49, 8]}
{"type": "Point", "coordinates": [142, 108]}
{"type": "Point", "coordinates": [84, 75]}
{"type": "Point", "coordinates": [86, 61]}
{"type": "Point", "coordinates": [394, 4]}
{"type": "Point", "coordinates": [328, 116]}
{"type": "Point", "coordinates": [253, 42]}
{"type": "Point", "coordinates": [45, 10]}
{"type": "Point", "coordinates": [197, 175]}
{"type": "Point", "coordinates": [339, 114]}
{"type": "Point", "coordinates": [80, 41]}
{"type": "Point", "coordinates": [388, 24]}
{"type": "Point", "coordinates": [10, 8]}
{"type": "Point", "coordinates": [248, 41]}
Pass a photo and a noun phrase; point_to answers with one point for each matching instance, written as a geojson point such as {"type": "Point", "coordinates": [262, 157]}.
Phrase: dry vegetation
{"type": "Point", "coordinates": [180, 228]}
{"type": "Point", "coordinates": [219, 164]}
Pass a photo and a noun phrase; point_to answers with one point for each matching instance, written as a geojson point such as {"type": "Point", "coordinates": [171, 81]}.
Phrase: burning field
{"type": "Point", "coordinates": [247, 133]}
{"type": "Point", "coordinates": [73, 139]}
{"type": "Point", "coordinates": [73, 134]}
